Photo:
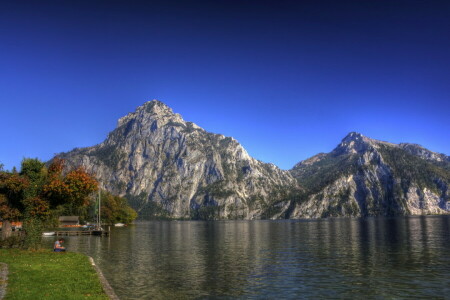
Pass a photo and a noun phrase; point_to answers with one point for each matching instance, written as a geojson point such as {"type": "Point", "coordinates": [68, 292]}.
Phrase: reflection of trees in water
{"type": "Point", "coordinates": [395, 257]}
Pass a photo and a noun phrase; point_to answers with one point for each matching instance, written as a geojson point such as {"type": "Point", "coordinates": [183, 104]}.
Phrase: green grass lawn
{"type": "Point", "coordinates": [50, 275]}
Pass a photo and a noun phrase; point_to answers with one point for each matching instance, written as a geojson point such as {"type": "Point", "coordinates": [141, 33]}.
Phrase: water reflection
{"type": "Point", "coordinates": [337, 258]}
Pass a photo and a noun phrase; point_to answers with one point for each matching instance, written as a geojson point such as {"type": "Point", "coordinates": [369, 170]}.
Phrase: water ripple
{"type": "Point", "coordinates": [375, 258]}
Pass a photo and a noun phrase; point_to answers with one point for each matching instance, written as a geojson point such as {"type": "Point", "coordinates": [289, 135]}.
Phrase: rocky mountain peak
{"type": "Point", "coordinates": [166, 166]}
{"type": "Point", "coordinates": [355, 137]}
{"type": "Point", "coordinates": [150, 111]}
{"type": "Point", "coordinates": [368, 177]}
{"type": "Point", "coordinates": [155, 107]}
{"type": "Point", "coordinates": [354, 142]}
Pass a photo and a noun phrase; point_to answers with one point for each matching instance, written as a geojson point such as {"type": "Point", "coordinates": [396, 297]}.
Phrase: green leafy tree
{"type": "Point", "coordinates": [33, 168]}
{"type": "Point", "coordinates": [115, 209]}
{"type": "Point", "coordinates": [36, 208]}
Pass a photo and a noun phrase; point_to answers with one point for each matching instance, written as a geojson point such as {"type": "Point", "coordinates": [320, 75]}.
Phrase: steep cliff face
{"type": "Point", "coordinates": [366, 177]}
{"type": "Point", "coordinates": [166, 166]}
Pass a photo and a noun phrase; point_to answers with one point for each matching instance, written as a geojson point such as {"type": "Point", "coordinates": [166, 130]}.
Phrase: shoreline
{"type": "Point", "coordinates": [105, 284]}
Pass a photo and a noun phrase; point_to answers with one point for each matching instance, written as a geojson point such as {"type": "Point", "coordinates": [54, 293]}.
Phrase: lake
{"type": "Point", "coordinates": [375, 258]}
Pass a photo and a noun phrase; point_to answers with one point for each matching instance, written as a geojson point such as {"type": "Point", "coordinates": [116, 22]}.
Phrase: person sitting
{"type": "Point", "coordinates": [58, 247]}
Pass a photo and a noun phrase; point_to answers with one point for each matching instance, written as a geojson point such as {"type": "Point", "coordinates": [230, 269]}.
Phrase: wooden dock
{"type": "Point", "coordinates": [82, 232]}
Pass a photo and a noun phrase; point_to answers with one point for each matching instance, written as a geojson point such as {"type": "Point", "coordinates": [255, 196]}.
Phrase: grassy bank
{"type": "Point", "coordinates": [49, 275]}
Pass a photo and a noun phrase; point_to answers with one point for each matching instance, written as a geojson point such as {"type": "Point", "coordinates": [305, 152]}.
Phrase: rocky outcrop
{"type": "Point", "coordinates": [366, 177]}
{"type": "Point", "coordinates": [167, 167]}
{"type": "Point", "coordinates": [423, 153]}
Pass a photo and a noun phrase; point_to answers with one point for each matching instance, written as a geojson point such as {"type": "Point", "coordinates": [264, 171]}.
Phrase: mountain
{"type": "Point", "coordinates": [367, 177]}
{"type": "Point", "coordinates": [167, 167]}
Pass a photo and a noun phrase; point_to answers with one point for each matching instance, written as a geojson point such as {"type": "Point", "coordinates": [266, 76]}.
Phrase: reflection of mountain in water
{"type": "Point", "coordinates": [375, 257]}
{"type": "Point", "coordinates": [398, 252]}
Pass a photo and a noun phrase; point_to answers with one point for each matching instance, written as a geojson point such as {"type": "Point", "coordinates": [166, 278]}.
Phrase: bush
{"type": "Point", "coordinates": [14, 241]}
{"type": "Point", "coordinates": [33, 233]}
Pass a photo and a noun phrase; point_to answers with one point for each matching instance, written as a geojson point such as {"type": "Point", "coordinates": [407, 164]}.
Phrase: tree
{"type": "Point", "coordinates": [115, 209]}
{"type": "Point", "coordinates": [35, 171]}
{"type": "Point", "coordinates": [36, 191]}
{"type": "Point", "coordinates": [56, 167]}
{"type": "Point", "coordinates": [35, 215]}
{"type": "Point", "coordinates": [71, 190]}
{"type": "Point", "coordinates": [33, 168]}
{"type": "Point", "coordinates": [35, 207]}
{"type": "Point", "coordinates": [12, 190]}
{"type": "Point", "coordinates": [80, 184]}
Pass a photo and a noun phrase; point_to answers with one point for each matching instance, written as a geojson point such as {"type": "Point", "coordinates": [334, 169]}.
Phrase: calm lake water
{"type": "Point", "coordinates": [374, 258]}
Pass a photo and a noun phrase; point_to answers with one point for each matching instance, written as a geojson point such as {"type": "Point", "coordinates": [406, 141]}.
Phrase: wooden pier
{"type": "Point", "coordinates": [82, 232]}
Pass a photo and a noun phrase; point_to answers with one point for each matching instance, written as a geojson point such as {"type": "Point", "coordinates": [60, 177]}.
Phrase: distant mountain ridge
{"type": "Point", "coordinates": [367, 177]}
{"type": "Point", "coordinates": [171, 168]}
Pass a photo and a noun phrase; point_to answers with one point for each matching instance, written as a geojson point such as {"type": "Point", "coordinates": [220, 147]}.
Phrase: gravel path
{"type": "Point", "coordinates": [3, 279]}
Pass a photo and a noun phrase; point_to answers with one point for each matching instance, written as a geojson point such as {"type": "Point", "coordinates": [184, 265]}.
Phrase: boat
{"type": "Point", "coordinates": [119, 225]}
{"type": "Point", "coordinates": [50, 233]}
{"type": "Point", "coordinates": [88, 227]}
{"type": "Point", "coordinates": [97, 229]}
{"type": "Point", "coordinates": [98, 232]}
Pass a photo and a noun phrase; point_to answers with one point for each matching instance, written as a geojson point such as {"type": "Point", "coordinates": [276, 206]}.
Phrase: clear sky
{"type": "Point", "coordinates": [287, 79]}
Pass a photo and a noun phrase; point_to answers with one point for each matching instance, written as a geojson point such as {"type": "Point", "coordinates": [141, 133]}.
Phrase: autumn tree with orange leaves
{"type": "Point", "coordinates": [72, 189]}
{"type": "Point", "coordinates": [37, 190]}
{"type": "Point", "coordinates": [12, 188]}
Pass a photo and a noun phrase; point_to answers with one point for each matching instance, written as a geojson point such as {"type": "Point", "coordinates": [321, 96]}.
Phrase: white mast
{"type": "Point", "coordinates": [99, 220]}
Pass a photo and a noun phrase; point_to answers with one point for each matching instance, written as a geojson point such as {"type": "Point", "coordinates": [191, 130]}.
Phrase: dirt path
{"type": "Point", "coordinates": [3, 279]}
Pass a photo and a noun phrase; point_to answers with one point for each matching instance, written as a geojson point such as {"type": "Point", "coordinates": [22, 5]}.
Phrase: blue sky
{"type": "Point", "coordinates": [287, 79]}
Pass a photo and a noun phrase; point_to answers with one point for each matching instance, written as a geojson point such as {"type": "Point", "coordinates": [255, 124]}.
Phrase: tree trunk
{"type": "Point", "coordinates": [6, 229]}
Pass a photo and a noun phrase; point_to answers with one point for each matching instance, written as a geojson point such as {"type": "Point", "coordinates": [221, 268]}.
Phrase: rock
{"type": "Point", "coordinates": [167, 167]}
{"type": "Point", "coordinates": [367, 177]}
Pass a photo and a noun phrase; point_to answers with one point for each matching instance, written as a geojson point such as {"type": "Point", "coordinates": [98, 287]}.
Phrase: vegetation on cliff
{"type": "Point", "coordinates": [366, 177]}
